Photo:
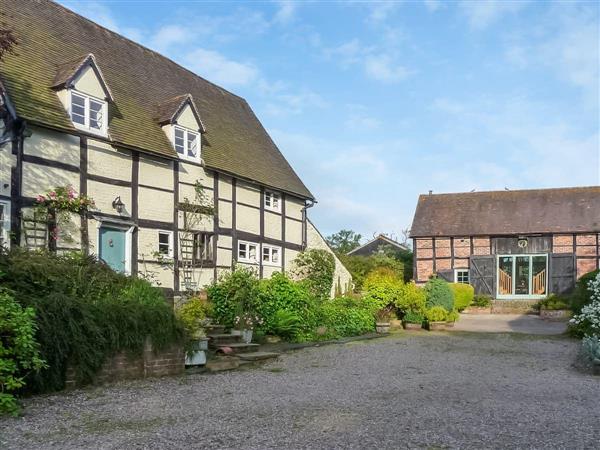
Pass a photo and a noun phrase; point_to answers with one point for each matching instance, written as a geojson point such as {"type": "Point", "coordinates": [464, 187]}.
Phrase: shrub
{"type": "Point", "coordinates": [463, 295]}
{"type": "Point", "coordinates": [587, 322]}
{"type": "Point", "coordinates": [482, 301]}
{"type": "Point", "coordinates": [235, 293]}
{"type": "Point", "coordinates": [85, 313]}
{"type": "Point", "coordinates": [438, 293]}
{"type": "Point", "coordinates": [591, 347]}
{"type": "Point", "coordinates": [361, 266]}
{"type": "Point", "coordinates": [411, 298]}
{"type": "Point", "coordinates": [436, 314]}
{"type": "Point", "coordinates": [413, 317]}
{"type": "Point", "coordinates": [453, 316]}
{"type": "Point", "coordinates": [382, 288]}
{"type": "Point", "coordinates": [316, 268]}
{"type": "Point", "coordinates": [582, 295]}
{"type": "Point", "coordinates": [19, 352]}
{"type": "Point", "coordinates": [192, 315]}
{"type": "Point", "coordinates": [346, 316]}
{"type": "Point", "coordinates": [555, 302]}
{"type": "Point", "coordinates": [286, 324]}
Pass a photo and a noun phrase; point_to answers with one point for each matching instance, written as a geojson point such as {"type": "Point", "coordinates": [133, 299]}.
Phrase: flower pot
{"type": "Point", "coordinates": [412, 326]}
{"type": "Point", "coordinates": [195, 358]}
{"type": "Point", "coordinates": [555, 314]}
{"type": "Point", "coordinates": [247, 336]}
{"type": "Point", "coordinates": [382, 327]}
{"type": "Point", "coordinates": [235, 332]}
{"type": "Point", "coordinates": [450, 324]}
{"type": "Point", "coordinates": [436, 326]}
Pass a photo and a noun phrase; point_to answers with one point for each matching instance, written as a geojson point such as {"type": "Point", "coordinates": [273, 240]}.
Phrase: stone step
{"type": "Point", "coordinates": [238, 347]}
{"type": "Point", "coordinates": [214, 329]}
{"type": "Point", "coordinates": [223, 338]}
{"type": "Point", "coordinates": [257, 356]}
{"type": "Point", "coordinates": [223, 363]}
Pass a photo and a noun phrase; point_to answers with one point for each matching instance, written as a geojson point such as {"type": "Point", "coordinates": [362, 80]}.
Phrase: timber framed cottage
{"type": "Point", "coordinates": [522, 244]}
{"type": "Point", "coordinates": [185, 179]}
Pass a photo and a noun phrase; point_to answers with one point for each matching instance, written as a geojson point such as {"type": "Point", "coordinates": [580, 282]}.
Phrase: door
{"type": "Point", "coordinates": [112, 247]}
{"type": "Point", "coordinates": [522, 276]}
{"type": "Point", "coordinates": [481, 274]}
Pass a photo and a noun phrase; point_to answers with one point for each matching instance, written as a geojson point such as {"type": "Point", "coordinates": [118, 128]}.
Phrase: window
{"type": "Point", "coordinates": [187, 143]}
{"type": "Point", "coordinates": [165, 243]}
{"type": "Point", "coordinates": [247, 252]}
{"type": "Point", "coordinates": [272, 201]}
{"type": "Point", "coordinates": [461, 276]}
{"type": "Point", "coordinates": [88, 113]}
{"type": "Point", "coordinates": [270, 255]}
{"type": "Point", "coordinates": [4, 224]}
{"type": "Point", "coordinates": [203, 247]}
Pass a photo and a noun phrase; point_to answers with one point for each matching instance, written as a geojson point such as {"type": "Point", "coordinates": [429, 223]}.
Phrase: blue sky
{"type": "Point", "coordinates": [374, 103]}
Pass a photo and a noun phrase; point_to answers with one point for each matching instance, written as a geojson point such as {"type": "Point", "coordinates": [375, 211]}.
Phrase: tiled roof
{"type": "Point", "coordinates": [53, 40]}
{"type": "Point", "coordinates": [560, 210]}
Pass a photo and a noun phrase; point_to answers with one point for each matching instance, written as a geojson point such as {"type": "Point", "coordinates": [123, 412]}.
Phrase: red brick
{"type": "Point", "coordinates": [585, 250]}
{"type": "Point", "coordinates": [561, 249]}
{"type": "Point", "coordinates": [462, 252]}
{"type": "Point", "coordinates": [443, 264]}
{"type": "Point", "coordinates": [424, 270]}
{"type": "Point", "coordinates": [560, 240]}
{"type": "Point", "coordinates": [442, 243]}
{"type": "Point", "coordinates": [585, 239]}
{"type": "Point", "coordinates": [424, 253]}
{"type": "Point", "coordinates": [585, 265]}
{"type": "Point", "coordinates": [424, 243]}
{"type": "Point", "coordinates": [443, 252]}
{"type": "Point", "coordinates": [461, 263]}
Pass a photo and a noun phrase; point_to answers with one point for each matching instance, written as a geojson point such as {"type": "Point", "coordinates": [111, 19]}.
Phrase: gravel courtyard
{"type": "Point", "coordinates": [425, 390]}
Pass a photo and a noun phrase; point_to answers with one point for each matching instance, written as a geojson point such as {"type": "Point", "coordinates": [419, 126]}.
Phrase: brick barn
{"type": "Point", "coordinates": [517, 245]}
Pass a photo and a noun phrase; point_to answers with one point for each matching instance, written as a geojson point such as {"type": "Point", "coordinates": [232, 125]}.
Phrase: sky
{"type": "Point", "coordinates": [375, 103]}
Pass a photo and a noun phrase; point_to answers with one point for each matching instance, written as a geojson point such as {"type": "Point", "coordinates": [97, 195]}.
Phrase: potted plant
{"type": "Point", "coordinates": [436, 318]}
{"type": "Point", "coordinates": [382, 319]}
{"type": "Point", "coordinates": [245, 323]}
{"type": "Point", "coordinates": [193, 317]}
{"type": "Point", "coordinates": [555, 308]}
{"type": "Point", "coordinates": [452, 317]}
{"type": "Point", "coordinates": [481, 304]}
{"type": "Point", "coordinates": [413, 320]}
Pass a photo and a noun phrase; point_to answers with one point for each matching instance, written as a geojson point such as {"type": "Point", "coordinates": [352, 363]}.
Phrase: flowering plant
{"type": "Point", "coordinates": [247, 321]}
{"type": "Point", "coordinates": [64, 198]}
{"type": "Point", "coordinates": [587, 322]}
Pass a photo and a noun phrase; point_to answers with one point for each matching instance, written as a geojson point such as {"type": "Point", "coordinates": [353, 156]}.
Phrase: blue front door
{"type": "Point", "coordinates": [112, 247]}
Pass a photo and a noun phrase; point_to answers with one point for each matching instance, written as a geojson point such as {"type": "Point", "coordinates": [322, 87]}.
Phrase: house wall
{"type": "Point", "coordinates": [435, 255]}
{"type": "Point", "coordinates": [150, 188]}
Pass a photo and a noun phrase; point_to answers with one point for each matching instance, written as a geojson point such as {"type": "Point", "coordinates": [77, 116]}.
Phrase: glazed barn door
{"type": "Point", "coordinates": [562, 273]}
{"type": "Point", "coordinates": [482, 274]}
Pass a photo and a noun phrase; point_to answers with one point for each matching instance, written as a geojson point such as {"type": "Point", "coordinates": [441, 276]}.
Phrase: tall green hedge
{"type": "Point", "coordinates": [439, 293]}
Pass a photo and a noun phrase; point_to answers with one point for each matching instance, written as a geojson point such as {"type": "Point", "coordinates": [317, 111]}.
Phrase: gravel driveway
{"type": "Point", "coordinates": [425, 390]}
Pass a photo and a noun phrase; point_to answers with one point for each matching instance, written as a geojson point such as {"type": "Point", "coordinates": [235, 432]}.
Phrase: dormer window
{"type": "Point", "coordinates": [88, 113]}
{"type": "Point", "coordinates": [187, 143]}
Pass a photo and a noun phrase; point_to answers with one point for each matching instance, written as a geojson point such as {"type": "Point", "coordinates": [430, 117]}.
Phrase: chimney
{"type": "Point", "coordinates": [430, 192]}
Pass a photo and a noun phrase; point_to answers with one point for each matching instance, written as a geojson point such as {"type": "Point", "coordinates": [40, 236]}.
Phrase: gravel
{"type": "Point", "coordinates": [454, 390]}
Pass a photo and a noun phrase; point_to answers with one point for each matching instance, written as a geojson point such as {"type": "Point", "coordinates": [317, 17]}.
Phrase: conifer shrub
{"type": "Point", "coordinates": [439, 293]}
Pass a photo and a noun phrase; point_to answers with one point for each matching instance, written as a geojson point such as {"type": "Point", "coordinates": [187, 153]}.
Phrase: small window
{"type": "Point", "coordinates": [88, 113]}
{"type": "Point", "coordinates": [187, 143]}
{"type": "Point", "coordinates": [271, 255]}
{"type": "Point", "coordinates": [247, 252]}
{"type": "Point", "coordinates": [203, 247]}
{"type": "Point", "coordinates": [461, 276]}
{"type": "Point", "coordinates": [272, 201]}
{"type": "Point", "coordinates": [4, 224]}
{"type": "Point", "coordinates": [165, 243]}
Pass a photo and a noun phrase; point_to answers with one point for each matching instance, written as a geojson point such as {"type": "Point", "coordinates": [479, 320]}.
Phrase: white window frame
{"type": "Point", "coordinates": [169, 253]}
{"type": "Point", "coordinates": [456, 271]}
{"type": "Point", "coordinates": [269, 203]}
{"type": "Point", "coordinates": [247, 259]}
{"type": "Point", "coordinates": [86, 126]}
{"type": "Point", "coordinates": [514, 263]}
{"type": "Point", "coordinates": [270, 249]}
{"type": "Point", "coordinates": [186, 133]}
{"type": "Point", "coordinates": [5, 224]}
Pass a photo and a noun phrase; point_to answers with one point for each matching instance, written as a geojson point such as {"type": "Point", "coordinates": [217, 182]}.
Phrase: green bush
{"type": "Point", "coordinates": [316, 268]}
{"type": "Point", "coordinates": [582, 295]}
{"type": "Point", "coordinates": [346, 316]}
{"type": "Point", "coordinates": [382, 288]}
{"type": "Point", "coordinates": [85, 313]}
{"type": "Point", "coordinates": [19, 351]}
{"type": "Point", "coordinates": [414, 317]}
{"type": "Point", "coordinates": [463, 295]}
{"type": "Point", "coordinates": [235, 293]}
{"type": "Point", "coordinates": [555, 302]}
{"type": "Point", "coordinates": [436, 314]}
{"type": "Point", "coordinates": [286, 324]}
{"type": "Point", "coordinates": [453, 316]}
{"type": "Point", "coordinates": [439, 293]}
{"type": "Point", "coordinates": [361, 266]}
{"type": "Point", "coordinates": [411, 299]}
{"type": "Point", "coordinates": [591, 347]}
{"type": "Point", "coordinates": [192, 314]}
{"type": "Point", "coordinates": [482, 301]}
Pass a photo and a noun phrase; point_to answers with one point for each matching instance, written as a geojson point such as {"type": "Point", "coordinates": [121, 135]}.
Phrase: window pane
{"type": "Point", "coordinates": [266, 255]}
{"type": "Point", "coordinates": [505, 275]}
{"type": "Point", "coordinates": [275, 255]}
{"type": "Point", "coordinates": [77, 109]}
{"type": "Point", "coordinates": [179, 141]}
{"type": "Point", "coordinates": [522, 275]}
{"type": "Point", "coordinates": [95, 114]}
{"type": "Point", "coordinates": [192, 144]}
{"type": "Point", "coordinates": [538, 285]}
{"type": "Point", "coordinates": [252, 252]}
{"type": "Point", "coordinates": [163, 243]}
{"type": "Point", "coordinates": [242, 251]}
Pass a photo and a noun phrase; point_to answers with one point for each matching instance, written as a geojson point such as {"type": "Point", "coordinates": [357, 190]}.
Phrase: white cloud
{"type": "Point", "coordinates": [382, 67]}
{"type": "Point", "coordinates": [285, 103]}
{"type": "Point", "coordinates": [217, 68]}
{"type": "Point", "coordinates": [381, 10]}
{"type": "Point", "coordinates": [169, 35]}
{"type": "Point", "coordinates": [432, 5]}
{"type": "Point", "coordinates": [360, 123]}
{"type": "Point", "coordinates": [286, 11]}
{"type": "Point", "coordinates": [484, 13]}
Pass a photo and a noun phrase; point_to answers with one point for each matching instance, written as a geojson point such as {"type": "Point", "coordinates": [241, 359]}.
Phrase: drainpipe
{"type": "Point", "coordinates": [310, 204]}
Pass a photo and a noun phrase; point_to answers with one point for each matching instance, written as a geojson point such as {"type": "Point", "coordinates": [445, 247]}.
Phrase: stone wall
{"type": "Point", "coordinates": [123, 366]}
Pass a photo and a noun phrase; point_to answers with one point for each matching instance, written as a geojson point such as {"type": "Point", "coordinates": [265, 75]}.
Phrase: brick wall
{"type": "Point", "coordinates": [433, 255]}
{"type": "Point", "coordinates": [123, 366]}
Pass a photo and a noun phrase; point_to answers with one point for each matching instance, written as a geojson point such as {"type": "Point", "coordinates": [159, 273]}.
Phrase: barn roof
{"type": "Point", "coordinates": [373, 245]}
{"type": "Point", "coordinates": [52, 44]}
{"type": "Point", "coordinates": [560, 210]}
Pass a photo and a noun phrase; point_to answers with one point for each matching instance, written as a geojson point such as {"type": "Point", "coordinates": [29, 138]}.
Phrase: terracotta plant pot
{"type": "Point", "coordinates": [436, 326]}
{"type": "Point", "coordinates": [412, 326]}
{"type": "Point", "coordinates": [450, 324]}
{"type": "Point", "coordinates": [382, 327]}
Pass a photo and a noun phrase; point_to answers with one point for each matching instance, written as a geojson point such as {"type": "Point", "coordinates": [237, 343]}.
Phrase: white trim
{"type": "Point", "coordinates": [247, 259]}
{"type": "Point", "coordinates": [186, 132]}
{"type": "Point", "coordinates": [521, 296]}
{"type": "Point", "coordinates": [270, 262]}
{"type": "Point", "coordinates": [5, 226]}
{"type": "Point", "coordinates": [86, 126]}
{"type": "Point", "coordinates": [273, 196]}
{"type": "Point", "coordinates": [169, 243]}
{"type": "Point", "coordinates": [456, 276]}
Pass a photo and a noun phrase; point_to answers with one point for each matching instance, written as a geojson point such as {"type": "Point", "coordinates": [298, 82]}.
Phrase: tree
{"type": "Point", "coordinates": [7, 39]}
{"type": "Point", "coordinates": [344, 241]}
